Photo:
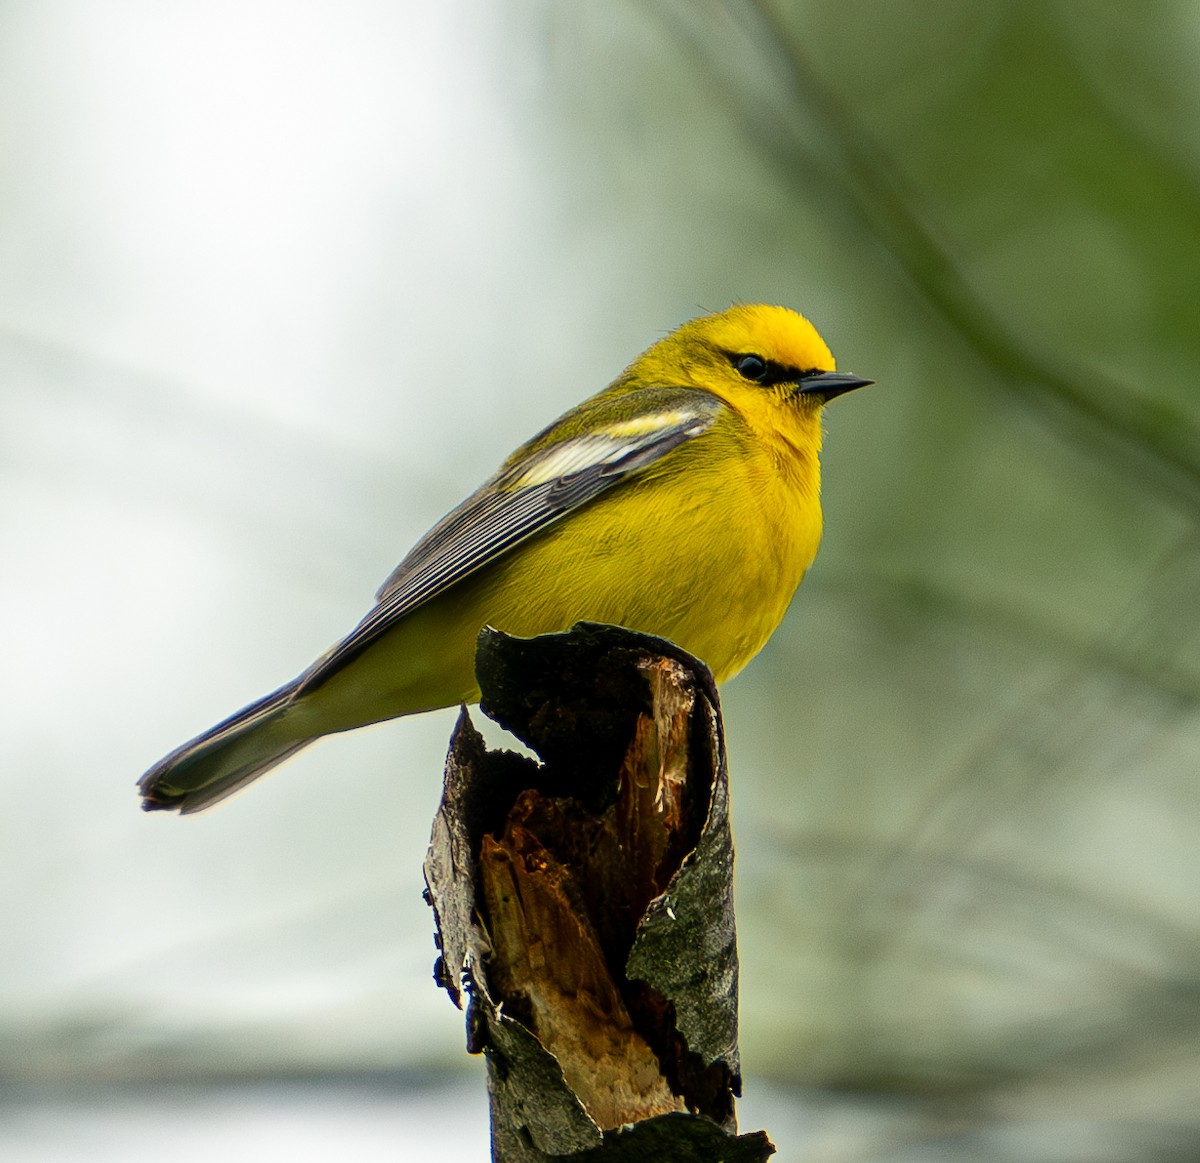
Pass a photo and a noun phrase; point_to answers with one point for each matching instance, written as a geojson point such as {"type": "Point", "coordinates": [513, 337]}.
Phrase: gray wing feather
{"type": "Point", "coordinates": [504, 513]}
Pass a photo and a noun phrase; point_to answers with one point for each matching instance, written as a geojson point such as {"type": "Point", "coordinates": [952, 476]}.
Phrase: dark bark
{"type": "Point", "coordinates": [584, 903]}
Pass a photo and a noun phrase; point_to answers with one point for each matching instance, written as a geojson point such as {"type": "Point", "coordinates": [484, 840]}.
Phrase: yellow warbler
{"type": "Point", "coordinates": [682, 500]}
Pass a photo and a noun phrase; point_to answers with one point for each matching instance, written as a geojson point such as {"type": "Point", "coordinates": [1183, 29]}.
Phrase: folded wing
{"type": "Point", "coordinates": [539, 486]}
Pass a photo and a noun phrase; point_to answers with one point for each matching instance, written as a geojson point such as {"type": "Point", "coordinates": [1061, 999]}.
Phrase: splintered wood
{"type": "Point", "coordinates": [564, 889]}
{"type": "Point", "coordinates": [584, 902]}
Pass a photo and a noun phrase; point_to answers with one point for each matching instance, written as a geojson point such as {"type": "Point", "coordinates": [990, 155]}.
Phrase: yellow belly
{"type": "Point", "coordinates": [712, 571]}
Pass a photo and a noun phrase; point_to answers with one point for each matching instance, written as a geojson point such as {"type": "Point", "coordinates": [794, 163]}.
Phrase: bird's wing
{"type": "Point", "coordinates": [540, 485]}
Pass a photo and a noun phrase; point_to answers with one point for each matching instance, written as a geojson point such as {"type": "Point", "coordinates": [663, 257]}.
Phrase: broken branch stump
{"type": "Point", "coordinates": [584, 904]}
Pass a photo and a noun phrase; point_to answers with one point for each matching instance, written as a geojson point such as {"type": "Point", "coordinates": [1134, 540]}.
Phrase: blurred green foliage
{"type": "Point", "coordinates": [965, 770]}
{"type": "Point", "coordinates": [975, 866]}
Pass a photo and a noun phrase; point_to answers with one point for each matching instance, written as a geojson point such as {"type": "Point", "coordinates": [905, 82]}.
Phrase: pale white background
{"type": "Point", "coordinates": [279, 283]}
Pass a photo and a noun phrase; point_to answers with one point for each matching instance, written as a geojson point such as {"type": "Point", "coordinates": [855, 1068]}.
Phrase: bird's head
{"type": "Point", "coordinates": [748, 355]}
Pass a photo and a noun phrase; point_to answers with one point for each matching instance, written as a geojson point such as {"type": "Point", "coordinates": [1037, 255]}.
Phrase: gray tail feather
{"type": "Point", "coordinates": [207, 769]}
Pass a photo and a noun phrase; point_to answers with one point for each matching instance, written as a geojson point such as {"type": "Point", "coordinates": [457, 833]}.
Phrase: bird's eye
{"type": "Point", "coordinates": [751, 367]}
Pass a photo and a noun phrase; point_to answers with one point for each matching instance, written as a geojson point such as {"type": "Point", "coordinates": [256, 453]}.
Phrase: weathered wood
{"type": "Point", "coordinates": [584, 904]}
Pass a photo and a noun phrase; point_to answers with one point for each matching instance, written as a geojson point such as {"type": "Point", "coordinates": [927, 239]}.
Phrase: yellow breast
{"type": "Point", "coordinates": [705, 548]}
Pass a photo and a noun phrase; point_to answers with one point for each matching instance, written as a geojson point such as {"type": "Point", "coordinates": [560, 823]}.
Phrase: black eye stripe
{"type": "Point", "coordinates": [766, 371]}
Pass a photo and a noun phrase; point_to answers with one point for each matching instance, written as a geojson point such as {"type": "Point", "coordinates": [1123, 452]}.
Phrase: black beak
{"type": "Point", "coordinates": [830, 384]}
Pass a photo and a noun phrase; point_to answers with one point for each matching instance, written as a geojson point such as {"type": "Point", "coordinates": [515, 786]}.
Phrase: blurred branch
{"type": "Point", "coordinates": [912, 595]}
{"type": "Point", "coordinates": [1063, 726]}
{"type": "Point", "coordinates": [1141, 964]}
{"type": "Point", "coordinates": [86, 423]}
{"type": "Point", "coordinates": [1161, 450]}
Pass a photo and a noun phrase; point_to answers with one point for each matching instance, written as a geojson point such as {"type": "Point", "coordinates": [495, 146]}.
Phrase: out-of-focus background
{"type": "Point", "coordinates": [280, 283]}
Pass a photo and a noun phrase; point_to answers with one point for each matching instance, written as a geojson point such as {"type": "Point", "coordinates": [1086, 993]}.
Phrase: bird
{"type": "Point", "coordinates": [683, 500]}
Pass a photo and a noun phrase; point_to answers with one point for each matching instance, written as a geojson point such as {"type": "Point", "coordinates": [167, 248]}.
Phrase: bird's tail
{"type": "Point", "coordinates": [216, 764]}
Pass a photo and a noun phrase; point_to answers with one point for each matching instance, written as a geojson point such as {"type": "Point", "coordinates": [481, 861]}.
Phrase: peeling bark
{"type": "Point", "coordinates": [584, 903]}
